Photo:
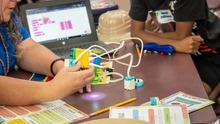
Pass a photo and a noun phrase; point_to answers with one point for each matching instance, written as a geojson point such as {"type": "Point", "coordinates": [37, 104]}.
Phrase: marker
{"type": "Point", "coordinates": [116, 105]}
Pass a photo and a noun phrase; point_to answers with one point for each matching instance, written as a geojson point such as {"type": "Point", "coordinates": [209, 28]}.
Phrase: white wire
{"type": "Point", "coordinates": [128, 54]}
{"type": "Point", "coordinates": [112, 73]}
{"type": "Point", "coordinates": [141, 51]}
{"type": "Point", "coordinates": [112, 43]}
{"type": "Point", "coordinates": [121, 45]}
{"type": "Point", "coordinates": [114, 51]}
{"type": "Point", "coordinates": [82, 53]}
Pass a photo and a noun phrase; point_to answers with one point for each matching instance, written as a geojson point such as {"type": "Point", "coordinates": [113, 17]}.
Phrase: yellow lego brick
{"type": "Point", "coordinates": [84, 59]}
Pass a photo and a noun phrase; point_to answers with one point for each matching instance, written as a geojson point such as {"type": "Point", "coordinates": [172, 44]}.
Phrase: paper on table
{"type": "Point", "coordinates": [55, 112]}
{"type": "Point", "coordinates": [193, 103]}
{"type": "Point", "coordinates": [166, 114]}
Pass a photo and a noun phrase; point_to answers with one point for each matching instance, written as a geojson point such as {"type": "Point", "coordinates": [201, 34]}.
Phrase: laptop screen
{"type": "Point", "coordinates": [58, 22]}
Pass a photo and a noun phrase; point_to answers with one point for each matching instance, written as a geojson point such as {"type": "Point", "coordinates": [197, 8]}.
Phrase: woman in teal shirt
{"type": "Point", "coordinates": [16, 47]}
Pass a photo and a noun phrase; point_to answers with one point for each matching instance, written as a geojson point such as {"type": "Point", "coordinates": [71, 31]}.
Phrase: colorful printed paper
{"type": "Point", "coordinates": [167, 114]}
{"type": "Point", "coordinates": [193, 103]}
{"type": "Point", "coordinates": [55, 112]}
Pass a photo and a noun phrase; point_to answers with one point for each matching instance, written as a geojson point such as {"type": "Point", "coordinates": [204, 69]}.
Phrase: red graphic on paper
{"type": "Point", "coordinates": [32, 108]}
{"type": "Point", "coordinates": [17, 110]}
{"type": "Point", "coordinates": [6, 113]}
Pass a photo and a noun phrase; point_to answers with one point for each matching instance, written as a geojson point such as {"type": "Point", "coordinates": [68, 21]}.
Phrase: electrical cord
{"type": "Point", "coordinates": [114, 51]}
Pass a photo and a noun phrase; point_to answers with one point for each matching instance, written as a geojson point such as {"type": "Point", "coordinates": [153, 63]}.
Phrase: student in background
{"type": "Point", "coordinates": [191, 17]}
{"type": "Point", "coordinates": [16, 47]}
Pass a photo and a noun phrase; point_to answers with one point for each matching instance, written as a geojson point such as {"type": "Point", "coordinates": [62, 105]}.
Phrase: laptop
{"type": "Point", "coordinates": [61, 25]}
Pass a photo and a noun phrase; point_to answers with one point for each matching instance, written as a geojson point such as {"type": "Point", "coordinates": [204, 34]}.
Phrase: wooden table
{"type": "Point", "coordinates": [163, 76]}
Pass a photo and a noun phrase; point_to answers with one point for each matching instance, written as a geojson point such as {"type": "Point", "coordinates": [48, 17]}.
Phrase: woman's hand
{"type": "Point", "coordinates": [88, 88]}
{"type": "Point", "coordinates": [189, 44]}
{"type": "Point", "coordinates": [71, 79]}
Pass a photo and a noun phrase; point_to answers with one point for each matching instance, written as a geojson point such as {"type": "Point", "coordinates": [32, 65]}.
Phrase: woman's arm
{"type": "Point", "coordinates": [36, 58]}
{"type": "Point", "coordinates": [24, 92]}
{"type": "Point", "coordinates": [15, 91]}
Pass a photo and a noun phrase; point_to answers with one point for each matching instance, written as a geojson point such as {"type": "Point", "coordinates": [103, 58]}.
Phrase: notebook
{"type": "Point", "coordinates": [61, 25]}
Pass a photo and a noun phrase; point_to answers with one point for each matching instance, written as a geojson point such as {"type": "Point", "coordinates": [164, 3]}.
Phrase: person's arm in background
{"type": "Point", "coordinates": [180, 39]}
{"type": "Point", "coordinates": [184, 43]}
{"type": "Point", "coordinates": [183, 29]}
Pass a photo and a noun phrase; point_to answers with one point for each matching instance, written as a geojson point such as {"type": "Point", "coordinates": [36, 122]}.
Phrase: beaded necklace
{"type": "Point", "coordinates": [6, 69]}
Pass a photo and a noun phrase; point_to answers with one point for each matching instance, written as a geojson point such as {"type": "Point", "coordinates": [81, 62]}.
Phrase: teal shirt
{"type": "Point", "coordinates": [9, 44]}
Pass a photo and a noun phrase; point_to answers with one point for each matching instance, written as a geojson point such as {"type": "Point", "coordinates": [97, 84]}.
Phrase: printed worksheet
{"type": "Point", "coordinates": [193, 103]}
{"type": "Point", "coordinates": [167, 114]}
{"type": "Point", "coordinates": [55, 112]}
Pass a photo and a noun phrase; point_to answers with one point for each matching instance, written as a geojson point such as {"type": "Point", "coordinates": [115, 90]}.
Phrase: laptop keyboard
{"type": "Point", "coordinates": [65, 51]}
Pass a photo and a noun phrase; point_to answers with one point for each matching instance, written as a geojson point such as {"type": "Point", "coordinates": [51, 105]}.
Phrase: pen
{"type": "Point", "coordinates": [138, 51]}
{"type": "Point", "coordinates": [116, 105]}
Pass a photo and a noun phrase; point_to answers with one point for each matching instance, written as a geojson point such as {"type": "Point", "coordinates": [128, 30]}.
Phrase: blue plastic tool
{"type": "Point", "coordinates": [139, 83]}
{"type": "Point", "coordinates": [161, 49]}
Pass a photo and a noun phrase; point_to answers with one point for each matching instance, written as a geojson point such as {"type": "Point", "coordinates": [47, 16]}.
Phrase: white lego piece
{"type": "Point", "coordinates": [129, 83]}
